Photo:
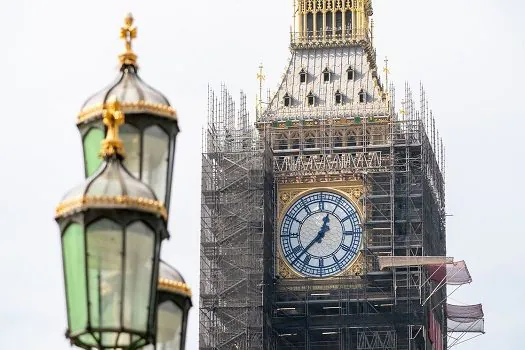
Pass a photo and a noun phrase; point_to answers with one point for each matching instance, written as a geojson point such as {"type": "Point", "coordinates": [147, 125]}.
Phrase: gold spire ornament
{"type": "Point", "coordinates": [128, 32]}
{"type": "Point", "coordinates": [261, 77]}
{"type": "Point", "coordinates": [112, 117]}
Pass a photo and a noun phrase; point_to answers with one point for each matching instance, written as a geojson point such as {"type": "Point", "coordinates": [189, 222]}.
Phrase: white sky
{"type": "Point", "coordinates": [469, 54]}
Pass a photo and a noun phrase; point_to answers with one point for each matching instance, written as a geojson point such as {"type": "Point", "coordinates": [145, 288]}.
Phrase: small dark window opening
{"type": "Point", "coordinates": [350, 73]}
{"type": "Point", "coordinates": [362, 96]}
{"type": "Point", "coordinates": [309, 143]}
{"type": "Point", "coordinates": [338, 98]}
{"type": "Point", "coordinates": [351, 142]}
{"type": "Point", "coordinates": [302, 76]}
{"type": "Point", "coordinates": [326, 75]}
{"type": "Point", "coordinates": [282, 144]}
{"type": "Point", "coordinates": [338, 141]}
{"type": "Point", "coordinates": [311, 99]}
{"type": "Point", "coordinates": [287, 100]}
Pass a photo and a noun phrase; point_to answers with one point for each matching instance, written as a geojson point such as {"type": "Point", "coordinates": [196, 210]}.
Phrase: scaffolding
{"type": "Point", "coordinates": [236, 220]}
{"type": "Point", "coordinates": [400, 159]}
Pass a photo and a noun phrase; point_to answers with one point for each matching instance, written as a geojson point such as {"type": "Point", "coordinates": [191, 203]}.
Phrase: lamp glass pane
{"type": "Point", "coordinates": [91, 145]}
{"type": "Point", "coordinates": [140, 242]}
{"type": "Point", "coordinates": [169, 326]}
{"type": "Point", "coordinates": [75, 273]}
{"type": "Point", "coordinates": [104, 239]}
{"type": "Point", "coordinates": [131, 138]}
{"type": "Point", "coordinates": [155, 160]}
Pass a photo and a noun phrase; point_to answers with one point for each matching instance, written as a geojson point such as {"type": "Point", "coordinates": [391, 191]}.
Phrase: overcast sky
{"type": "Point", "coordinates": [470, 55]}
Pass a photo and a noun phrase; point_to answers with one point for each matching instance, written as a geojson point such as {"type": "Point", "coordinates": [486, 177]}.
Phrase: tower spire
{"type": "Point", "coordinates": [261, 77]}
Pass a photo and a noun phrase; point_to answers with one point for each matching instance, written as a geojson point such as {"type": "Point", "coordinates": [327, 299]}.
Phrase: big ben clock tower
{"type": "Point", "coordinates": [298, 212]}
{"type": "Point", "coordinates": [346, 167]}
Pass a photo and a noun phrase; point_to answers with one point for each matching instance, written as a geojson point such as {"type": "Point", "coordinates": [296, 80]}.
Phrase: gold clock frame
{"type": "Point", "coordinates": [288, 194]}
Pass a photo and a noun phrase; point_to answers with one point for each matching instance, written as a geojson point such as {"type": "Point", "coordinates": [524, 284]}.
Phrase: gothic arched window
{"type": "Point", "coordinates": [328, 23]}
{"type": "Point", "coordinates": [319, 23]}
{"type": "Point", "coordinates": [348, 22]}
{"type": "Point", "coordinates": [302, 76]}
{"type": "Point", "coordinates": [362, 96]}
{"type": "Point", "coordinates": [287, 100]}
{"type": "Point", "coordinates": [338, 23]}
{"type": "Point", "coordinates": [350, 73]}
{"type": "Point", "coordinates": [351, 140]}
{"type": "Point", "coordinates": [311, 99]}
{"type": "Point", "coordinates": [281, 142]}
{"type": "Point", "coordinates": [338, 140]}
{"type": "Point", "coordinates": [326, 75]}
{"type": "Point", "coordinates": [309, 24]}
{"type": "Point", "coordinates": [295, 140]}
{"type": "Point", "coordinates": [309, 141]}
{"type": "Point", "coordinates": [338, 97]}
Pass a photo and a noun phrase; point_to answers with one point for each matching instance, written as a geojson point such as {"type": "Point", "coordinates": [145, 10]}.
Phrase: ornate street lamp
{"type": "Point", "coordinates": [174, 302]}
{"type": "Point", "coordinates": [151, 124]}
{"type": "Point", "coordinates": [111, 228]}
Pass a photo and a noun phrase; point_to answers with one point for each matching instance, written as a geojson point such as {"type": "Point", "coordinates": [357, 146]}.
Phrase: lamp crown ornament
{"type": "Point", "coordinates": [128, 32]}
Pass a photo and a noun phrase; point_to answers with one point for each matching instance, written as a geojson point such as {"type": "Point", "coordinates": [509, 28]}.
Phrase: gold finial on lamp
{"type": "Point", "coordinates": [112, 117]}
{"type": "Point", "coordinates": [128, 32]}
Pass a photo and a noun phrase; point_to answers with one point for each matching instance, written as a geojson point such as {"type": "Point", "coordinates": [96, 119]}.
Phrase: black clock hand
{"type": "Point", "coordinates": [318, 238]}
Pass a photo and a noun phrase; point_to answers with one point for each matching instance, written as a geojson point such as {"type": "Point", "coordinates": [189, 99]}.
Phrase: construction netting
{"type": "Point", "coordinates": [465, 318]}
{"type": "Point", "coordinates": [455, 273]}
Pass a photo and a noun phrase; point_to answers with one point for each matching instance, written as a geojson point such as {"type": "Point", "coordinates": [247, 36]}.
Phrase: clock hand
{"type": "Point", "coordinates": [318, 238]}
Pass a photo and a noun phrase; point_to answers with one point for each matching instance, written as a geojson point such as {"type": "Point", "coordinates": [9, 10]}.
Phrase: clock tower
{"type": "Point", "coordinates": [299, 210]}
{"type": "Point", "coordinates": [350, 184]}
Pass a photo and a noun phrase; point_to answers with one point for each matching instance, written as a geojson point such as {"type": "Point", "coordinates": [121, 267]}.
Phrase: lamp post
{"type": "Point", "coordinates": [111, 227]}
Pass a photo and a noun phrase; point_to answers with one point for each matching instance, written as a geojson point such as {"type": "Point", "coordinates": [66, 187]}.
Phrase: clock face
{"type": "Point", "coordinates": [321, 234]}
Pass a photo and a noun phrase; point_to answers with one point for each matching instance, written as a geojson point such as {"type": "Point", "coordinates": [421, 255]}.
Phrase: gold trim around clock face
{"type": "Point", "coordinates": [288, 196]}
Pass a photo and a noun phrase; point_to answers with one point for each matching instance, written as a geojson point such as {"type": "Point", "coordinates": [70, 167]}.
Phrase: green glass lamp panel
{"type": "Point", "coordinates": [169, 325]}
{"type": "Point", "coordinates": [131, 138]}
{"type": "Point", "coordinates": [92, 142]}
{"type": "Point", "coordinates": [155, 160]}
{"type": "Point", "coordinates": [88, 339]}
{"type": "Point", "coordinates": [74, 264]}
{"type": "Point", "coordinates": [140, 249]}
{"type": "Point", "coordinates": [104, 247]}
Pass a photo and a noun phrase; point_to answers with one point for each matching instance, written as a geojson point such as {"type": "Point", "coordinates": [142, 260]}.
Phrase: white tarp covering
{"type": "Point", "coordinates": [402, 261]}
{"type": "Point", "coordinates": [465, 319]}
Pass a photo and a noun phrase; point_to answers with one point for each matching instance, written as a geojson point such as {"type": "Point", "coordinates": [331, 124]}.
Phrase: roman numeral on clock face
{"type": "Point", "coordinates": [348, 249]}
{"type": "Point", "coordinates": [307, 259]}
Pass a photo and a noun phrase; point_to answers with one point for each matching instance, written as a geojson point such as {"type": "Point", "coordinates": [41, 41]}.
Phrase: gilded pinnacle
{"type": "Point", "coordinates": [128, 32]}
{"type": "Point", "coordinates": [112, 117]}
